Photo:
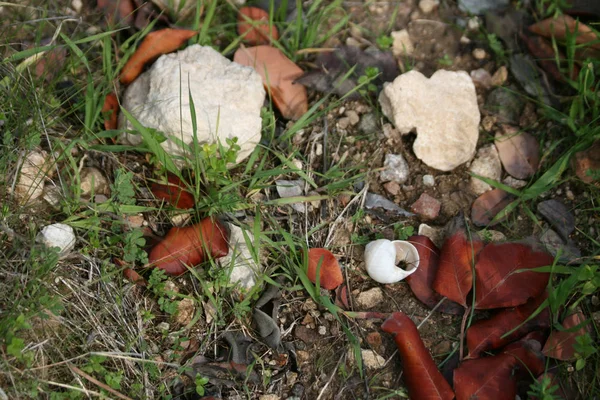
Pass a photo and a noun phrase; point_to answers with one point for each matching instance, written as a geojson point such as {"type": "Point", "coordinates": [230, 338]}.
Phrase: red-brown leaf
{"type": "Point", "coordinates": [454, 278]}
{"type": "Point", "coordinates": [132, 276]}
{"type": "Point", "coordinates": [330, 273]}
{"type": "Point", "coordinates": [51, 63]}
{"type": "Point", "coordinates": [117, 10]}
{"type": "Point", "coordinates": [528, 355]}
{"type": "Point", "coordinates": [256, 31]}
{"type": "Point", "coordinates": [154, 45]}
{"type": "Point", "coordinates": [543, 51]}
{"type": "Point", "coordinates": [421, 376]}
{"type": "Point", "coordinates": [486, 334]}
{"type": "Point", "coordinates": [518, 151]}
{"type": "Point", "coordinates": [489, 378]}
{"type": "Point", "coordinates": [110, 109]}
{"type": "Point", "coordinates": [497, 281]}
{"type": "Point", "coordinates": [488, 205]}
{"type": "Point", "coordinates": [190, 246]}
{"type": "Point", "coordinates": [560, 343]}
{"type": "Point", "coordinates": [421, 281]}
{"type": "Point", "coordinates": [173, 192]}
{"type": "Point", "coordinates": [278, 74]}
{"type": "Point", "coordinates": [558, 27]}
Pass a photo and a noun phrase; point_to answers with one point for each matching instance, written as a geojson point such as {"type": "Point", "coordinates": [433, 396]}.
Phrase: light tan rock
{"type": "Point", "coordinates": [30, 181]}
{"type": "Point", "coordinates": [442, 109]}
{"type": "Point", "coordinates": [486, 164]}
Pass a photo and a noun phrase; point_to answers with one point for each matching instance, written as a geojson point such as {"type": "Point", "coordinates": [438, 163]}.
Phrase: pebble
{"type": "Point", "coordinates": [343, 123]}
{"type": "Point", "coordinates": [506, 105]}
{"type": "Point", "coordinates": [481, 78]}
{"type": "Point", "coordinates": [269, 397]}
{"type": "Point", "coordinates": [368, 124]}
{"type": "Point", "coordinates": [500, 76]}
{"type": "Point", "coordinates": [514, 182]}
{"type": "Point", "coordinates": [370, 298]}
{"type": "Point", "coordinates": [58, 235]}
{"type": "Point", "coordinates": [352, 117]}
{"type": "Point", "coordinates": [392, 188]}
{"type": "Point", "coordinates": [163, 326]}
{"type": "Point", "coordinates": [395, 169]}
{"type": "Point", "coordinates": [402, 45]}
{"type": "Point", "coordinates": [185, 311]}
{"type": "Point", "coordinates": [435, 234]}
{"type": "Point", "coordinates": [371, 360]}
{"type": "Point", "coordinates": [479, 54]}
{"type": "Point", "coordinates": [322, 330]}
{"type": "Point", "coordinates": [92, 181]}
{"type": "Point", "coordinates": [473, 24]}
{"type": "Point", "coordinates": [32, 173]}
{"type": "Point", "coordinates": [486, 164]}
{"type": "Point", "coordinates": [426, 206]}
{"type": "Point", "coordinates": [374, 339]}
{"type": "Point", "coordinates": [428, 180]}
{"type": "Point", "coordinates": [427, 6]}
{"type": "Point", "coordinates": [558, 216]}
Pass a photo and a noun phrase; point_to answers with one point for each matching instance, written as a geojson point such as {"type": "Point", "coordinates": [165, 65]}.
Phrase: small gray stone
{"type": "Point", "coordinates": [435, 234]}
{"type": "Point", "coordinates": [370, 358]}
{"type": "Point", "coordinates": [514, 182]}
{"type": "Point", "coordinates": [368, 124]}
{"type": "Point", "coordinates": [558, 216]}
{"type": "Point", "coordinates": [428, 180]}
{"type": "Point", "coordinates": [555, 244]}
{"type": "Point", "coordinates": [396, 169]}
{"type": "Point", "coordinates": [505, 104]}
{"type": "Point", "coordinates": [58, 235]}
{"type": "Point", "coordinates": [482, 6]}
{"type": "Point", "coordinates": [244, 268]}
{"type": "Point", "coordinates": [352, 117]}
{"type": "Point", "coordinates": [294, 188]}
{"type": "Point", "coordinates": [373, 200]}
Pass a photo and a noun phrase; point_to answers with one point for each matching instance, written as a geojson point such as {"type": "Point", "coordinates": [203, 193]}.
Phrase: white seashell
{"type": "Point", "coordinates": [382, 257]}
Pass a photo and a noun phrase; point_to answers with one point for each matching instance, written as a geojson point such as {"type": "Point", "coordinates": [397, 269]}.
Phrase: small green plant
{"type": "Point", "coordinates": [200, 382]}
{"type": "Point", "coordinates": [547, 8]}
{"type": "Point", "coordinates": [157, 284]}
{"type": "Point", "coordinates": [497, 47]}
{"type": "Point", "coordinates": [543, 389]}
{"type": "Point", "coordinates": [384, 42]}
{"type": "Point", "coordinates": [403, 232]}
{"type": "Point", "coordinates": [446, 61]}
{"type": "Point", "coordinates": [366, 81]}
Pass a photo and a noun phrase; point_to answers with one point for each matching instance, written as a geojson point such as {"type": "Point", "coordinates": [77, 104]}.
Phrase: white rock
{"type": "Point", "coordinates": [30, 183]}
{"type": "Point", "coordinates": [370, 358]}
{"type": "Point", "coordinates": [244, 267]}
{"type": "Point", "coordinates": [428, 6]}
{"type": "Point", "coordinates": [444, 111]}
{"type": "Point", "coordinates": [58, 235]}
{"type": "Point", "coordinates": [93, 181]}
{"type": "Point", "coordinates": [402, 45]}
{"type": "Point", "coordinates": [428, 180]}
{"type": "Point", "coordinates": [487, 164]}
{"type": "Point", "coordinates": [227, 96]}
{"type": "Point", "coordinates": [396, 169]}
{"type": "Point", "coordinates": [435, 234]}
{"type": "Point", "coordinates": [514, 182]}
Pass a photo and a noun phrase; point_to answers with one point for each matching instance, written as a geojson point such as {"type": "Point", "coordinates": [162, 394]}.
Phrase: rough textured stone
{"type": "Point", "coordinates": [427, 6]}
{"type": "Point", "coordinates": [428, 180]}
{"type": "Point", "coordinates": [30, 183]}
{"type": "Point", "coordinates": [486, 164]}
{"type": "Point", "coordinates": [444, 111]}
{"type": "Point", "coordinates": [58, 235]}
{"type": "Point", "coordinates": [435, 234]}
{"type": "Point", "coordinates": [396, 169]}
{"type": "Point", "coordinates": [369, 298]}
{"type": "Point", "coordinates": [370, 358]}
{"type": "Point", "coordinates": [93, 181]}
{"type": "Point", "coordinates": [402, 45]}
{"type": "Point", "coordinates": [426, 206]}
{"type": "Point", "coordinates": [244, 268]}
{"type": "Point", "coordinates": [227, 99]}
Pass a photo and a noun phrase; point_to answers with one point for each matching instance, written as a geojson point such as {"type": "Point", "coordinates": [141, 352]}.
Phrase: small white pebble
{"type": "Point", "coordinates": [322, 330]}
{"type": "Point", "coordinates": [473, 24]}
{"type": "Point", "coordinates": [479, 54]}
{"type": "Point", "coordinates": [428, 180]}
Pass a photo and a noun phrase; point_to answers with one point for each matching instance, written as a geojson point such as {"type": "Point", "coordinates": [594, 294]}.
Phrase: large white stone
{"type": "Point", "coordinates": [58, 235]}
{"type": "Point", "coordinates": [244, 267]}
{"type": "Point", "coordinates": [227, 97]}
{"type": "Point", "coordinates": [444, 111]}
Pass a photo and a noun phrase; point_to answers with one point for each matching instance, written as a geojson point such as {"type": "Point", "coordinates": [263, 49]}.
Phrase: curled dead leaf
{"type": "Point", "coordinates": [110, 110]}
{"type": "Point", "coordinates": [454, 277]}
{"type": "Point", "coordinates": [488, 205]}
{"type": "Point", "coordinates": [174, 192]}
{"type": "Point", "coordinates": [330, 273]}
{"type": "Point", "coordinates": [421, 281]}
{"type": "Point", "coordinates": [278, 74]}
{"type": "Point", "coordinates": [421, 376]}
{"type": "Point", "coordinates": [154, 45]}
{"type": "Point", "coordinates": [190, 246]}
{"type": "Point", "coordinates": [518, 151]}
{"type": "Point", "coordinates": [561, 26]}
{"type": "Point", "coordinates": [256, 31]}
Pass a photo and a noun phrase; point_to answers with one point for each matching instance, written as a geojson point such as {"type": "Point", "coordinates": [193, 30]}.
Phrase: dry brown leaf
{"type": "Point", "coordinates": [278, 73]}
{"type": "Point", "coordinates": [518, 151]}
{"type": "Point", "coordinates": [117, 10]}
{"type": "Point", "coordinates": [111, 105]}
{"type": "Point", "coordinates": [488, 205]}
{"type": "Point", "coordinates": [154, 45]}
{"type": "Point", "coordinates": [563, 25]}
{"type": "Point", "coordinates": [256, 31]}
